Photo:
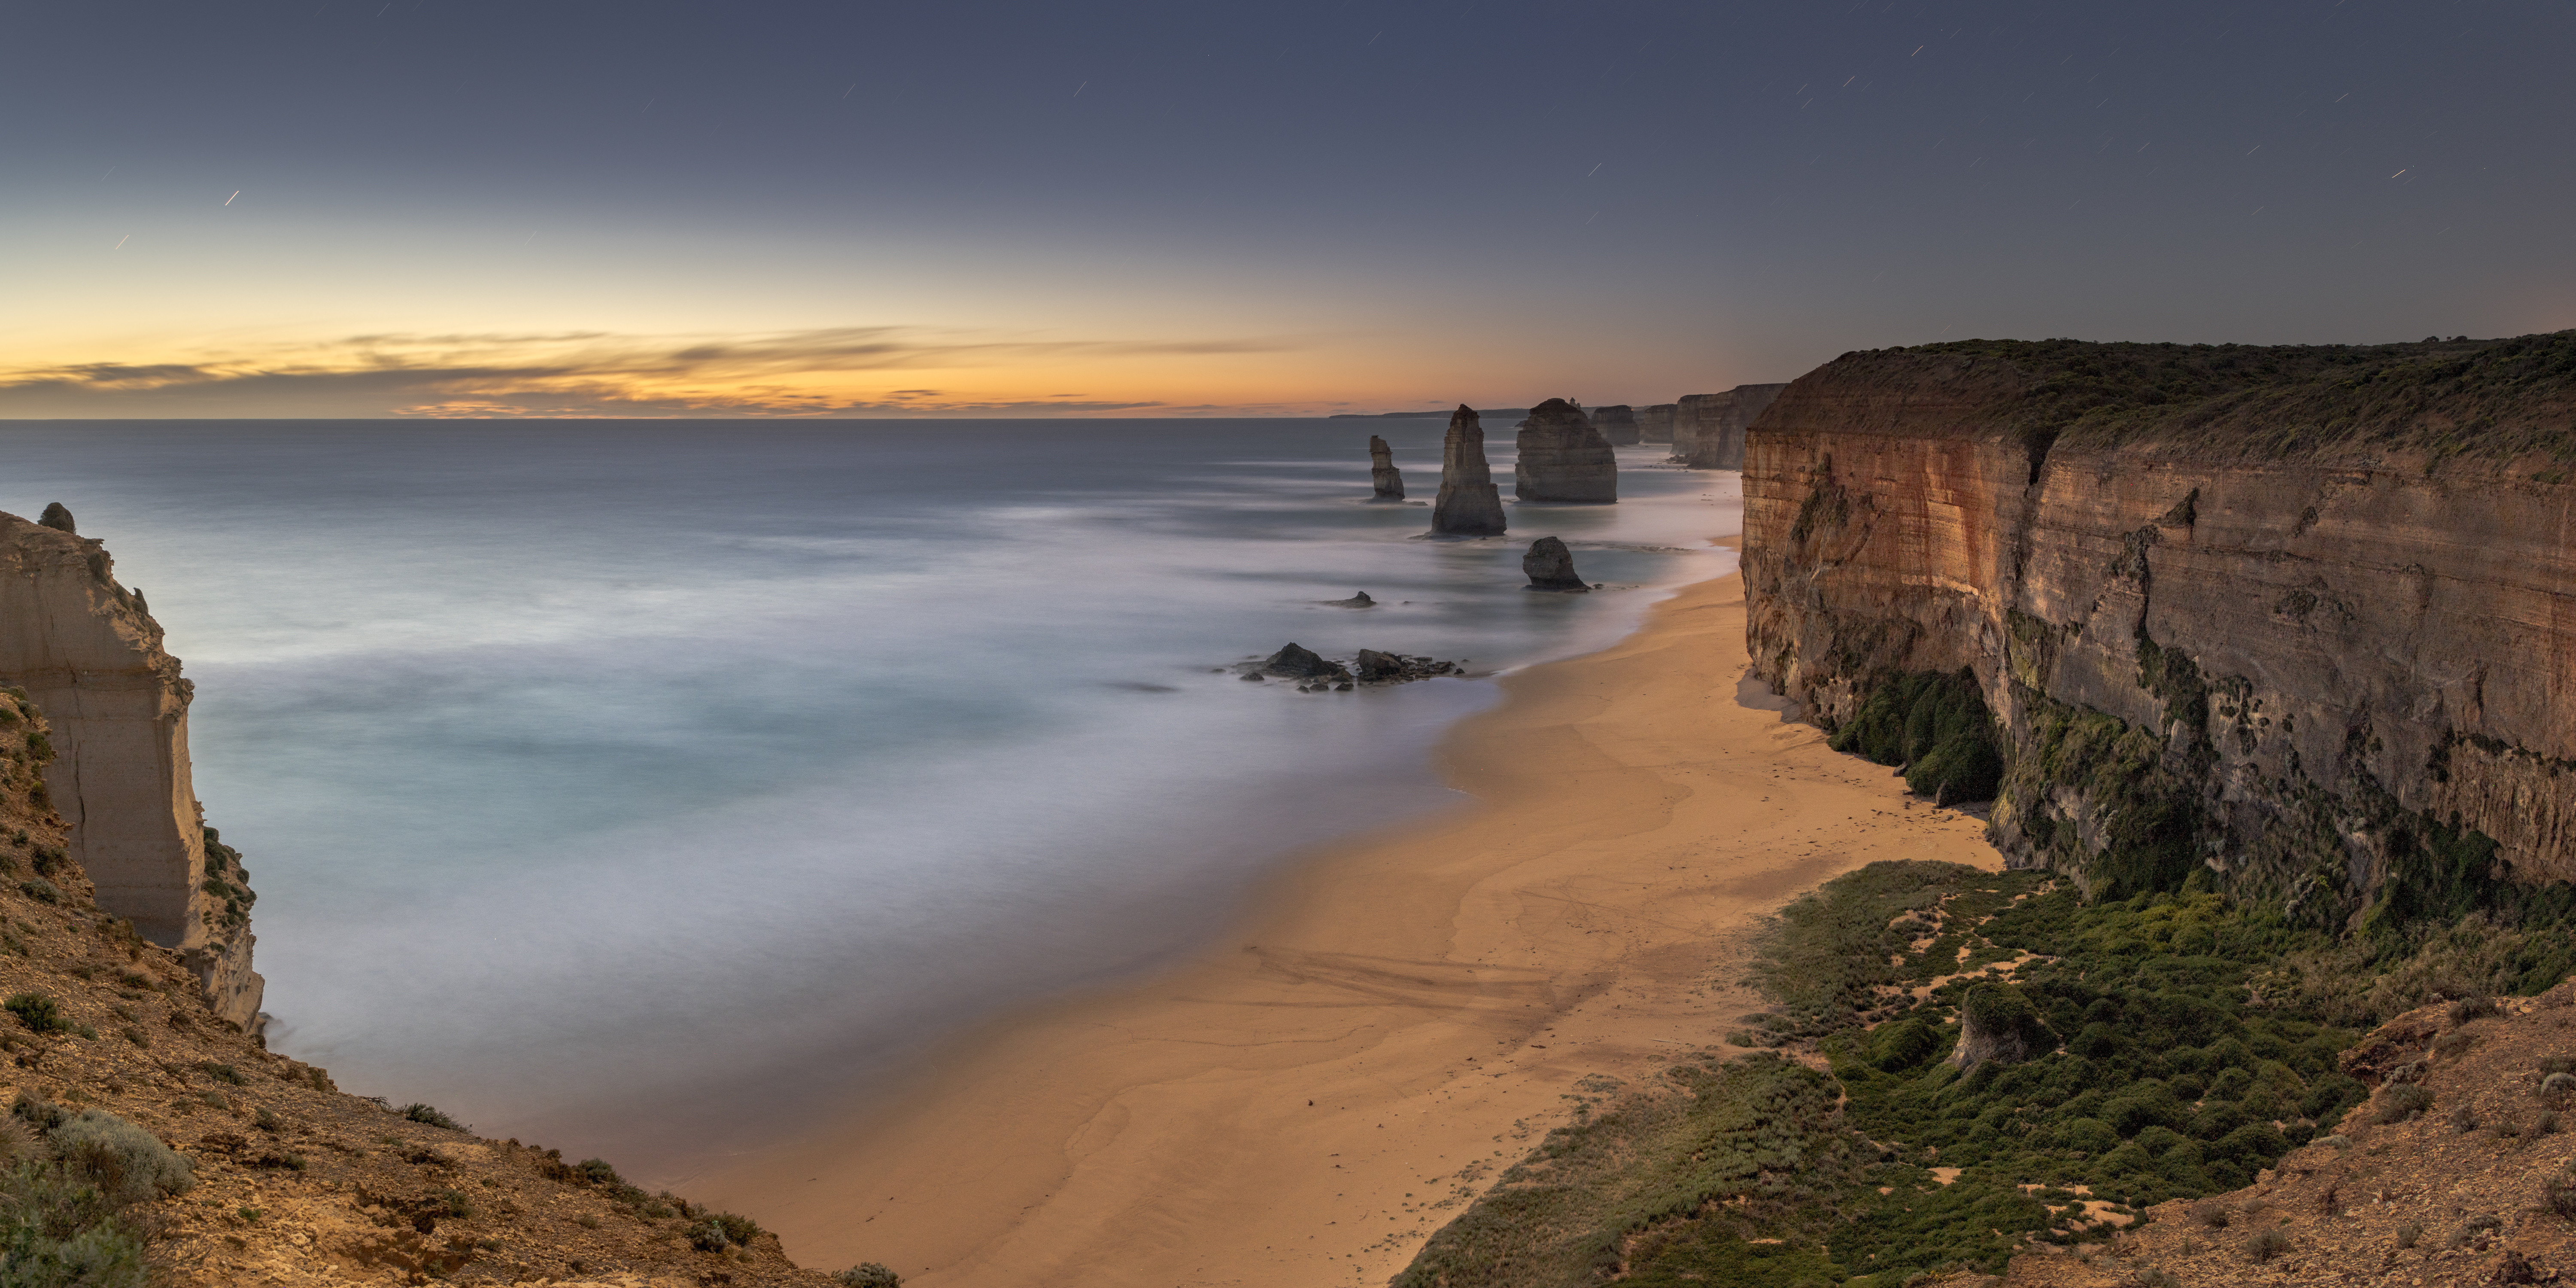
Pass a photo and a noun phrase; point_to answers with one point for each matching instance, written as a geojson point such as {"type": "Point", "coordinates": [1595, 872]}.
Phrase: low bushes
{"type": "Point", "coordinates": [1935, 725]}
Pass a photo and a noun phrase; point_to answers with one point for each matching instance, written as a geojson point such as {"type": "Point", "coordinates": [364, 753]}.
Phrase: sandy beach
{"type": "Point", "coordinates": [1394, 1020]}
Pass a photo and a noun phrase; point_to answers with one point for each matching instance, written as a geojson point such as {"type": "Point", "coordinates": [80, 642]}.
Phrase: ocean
{"type": "Point", "coordinates": [651, 788]}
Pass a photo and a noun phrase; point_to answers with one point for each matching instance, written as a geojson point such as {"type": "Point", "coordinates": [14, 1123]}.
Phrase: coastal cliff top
{"type": "Point", "coordinates": [2495, 401]}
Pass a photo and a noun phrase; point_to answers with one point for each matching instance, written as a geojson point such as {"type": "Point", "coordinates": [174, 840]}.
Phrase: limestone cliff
{"type": "Point", "coordinates": [1563, 458]}
{"type": "Point", "coordinates": [1617, 423]}
{"type": "Point", "coordinates": [2302, 620]}
{"type": "Point", "coordinates": [1388, 480]}
{"type": "Point", "coordinates": [89, 655]}
{"type": "Point", "coordinates": [1708, 429]}
{"type": "Point", "coordinates": [1468, 505]}
{"type": "Point", "coordinates": [1655, 424]}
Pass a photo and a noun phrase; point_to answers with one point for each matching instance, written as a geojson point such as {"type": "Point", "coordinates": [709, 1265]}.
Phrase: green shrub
{"type": "Point", "coordinates": [221, 1072]}
{"type": "Point", "coordinates": [2401, 1102]}
{"type": "Point", "coordinates": [869, 1274]}
{"type": "Point", "coordinates": [2558, 1193]}
{"type": "Point", "coordinates": [596, 1171]}
{"type": "Point", "coordinates": [1936, 726]}
{"type": "Point", "coordinates": [1902, 1045]}
{"type": "Point", "coordinates": [717, 1231]}
{"type": "Point", "coordinates": [41, 890]}
{"type": "Point", "coordinates": [2267, 1243]}
{"type": "Point", "coordinates": [420, 1113]}
{"type": "Point", "coordinates": [2409, 1234]}
{"type": "Point", "coordinates": [39, 1012]}
{"type": "Point", "coordinates": [127, 1163]}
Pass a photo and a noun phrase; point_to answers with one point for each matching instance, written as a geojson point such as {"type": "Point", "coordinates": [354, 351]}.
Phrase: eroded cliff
{"type": "Point", "coordinates": [1708, 429]}
{"type": "Point", "coordinates": [2303, 619]}
{"type": "Point", "coordinates": [87, 652]}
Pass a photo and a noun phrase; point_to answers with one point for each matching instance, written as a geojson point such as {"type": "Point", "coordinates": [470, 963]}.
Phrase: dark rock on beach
{"type": "Point", "coordinates": [1360, 600]}
{"type": "Point", "coordinates": [1563, 458]}
{"type": "Point", "coordinates": [1388, 480]}
{"type": "Point", "coordinates": [1468, 505]}
{"type": "Point", "coordinates": [1551, 566]}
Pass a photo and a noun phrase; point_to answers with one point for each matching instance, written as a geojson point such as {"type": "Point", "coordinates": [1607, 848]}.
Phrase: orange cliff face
{"type": "Point", "coordinates": [2304, 617]}
{"type": "Point", "coordinates": [89, 655]}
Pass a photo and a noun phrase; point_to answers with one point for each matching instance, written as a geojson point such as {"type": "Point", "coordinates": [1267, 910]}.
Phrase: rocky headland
{"type": "Point", "coordinates": [89, 655]}
{"type": "Point", "coordinates": [1655, 423]}
{"type": "Point", "coordinates": [1468, 504]}
{"type": "Point", "coordinates": [1564, 459]}
{"type": "Point", "coordinates": [1708, 429]}
{"type": "Point", "coordinates": [2287, 621]}
{"type": "Point", "coordinates": [1617, 423]}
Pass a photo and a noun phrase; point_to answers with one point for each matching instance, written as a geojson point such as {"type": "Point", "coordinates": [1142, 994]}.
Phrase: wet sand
{"type": "Point", "coordinates": [1395, 1019]}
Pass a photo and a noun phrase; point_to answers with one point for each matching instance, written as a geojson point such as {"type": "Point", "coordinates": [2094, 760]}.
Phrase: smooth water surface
{"type": "Point", "coordinates": [643, 787]}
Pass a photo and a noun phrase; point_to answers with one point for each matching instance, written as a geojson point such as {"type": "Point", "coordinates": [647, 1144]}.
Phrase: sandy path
{"type": "Point", "coordinates": [1397, 1019]}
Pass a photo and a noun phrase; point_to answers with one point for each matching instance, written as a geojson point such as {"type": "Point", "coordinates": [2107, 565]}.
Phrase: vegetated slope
{"type": "Point", "coordinates": [2287, 616]}
{"type": "Point", "coordinates": [2458, 1171]}
{"type": "Point", "coordinates": [277, 1177]}
{"type": "Point", "coordinates": [2182, 1044]}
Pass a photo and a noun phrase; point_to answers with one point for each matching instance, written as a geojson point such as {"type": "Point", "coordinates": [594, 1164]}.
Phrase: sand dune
{"type": "Point", "coordinates": [1396, 1019]}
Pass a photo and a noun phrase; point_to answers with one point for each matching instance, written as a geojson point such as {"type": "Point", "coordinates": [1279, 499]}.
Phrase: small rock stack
{"type": "Point", "coordinates": [1382, 472]}
{"type": "Point", "coordinates": [1468, 505]}
{"type": "Point", "coordinates": [1551, 566]}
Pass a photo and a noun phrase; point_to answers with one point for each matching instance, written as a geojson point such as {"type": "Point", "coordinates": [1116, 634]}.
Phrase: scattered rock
{"type": "Point", "coordinates": [1563, 458]}
{"type": "Point", "coordinates": [1551, 566]}
{"type": "Point", "coordinates": [1296, 662]}
{"type": "Point", "coordinates": [1468, 505]}
{"type": "Point", "coordinates": [58, 517]}
{"type": "Point", "coordinates": [1375, 667]}
{"type": "Point", "coordinates": [1382, 472]}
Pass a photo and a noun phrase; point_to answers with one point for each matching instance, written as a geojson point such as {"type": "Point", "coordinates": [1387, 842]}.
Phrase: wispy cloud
{"type": "Point", "coordinates": [825, 372]}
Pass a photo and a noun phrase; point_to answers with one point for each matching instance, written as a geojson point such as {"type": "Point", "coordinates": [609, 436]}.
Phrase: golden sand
{"type": "Point", "coordinates": [1394, 1021]}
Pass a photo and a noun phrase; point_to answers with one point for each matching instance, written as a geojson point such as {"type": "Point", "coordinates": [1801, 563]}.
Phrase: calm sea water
{"type": "Point", "coordinates": [644, 788]}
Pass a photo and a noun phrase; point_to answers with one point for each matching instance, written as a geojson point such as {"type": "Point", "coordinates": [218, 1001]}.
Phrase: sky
{"type": "Point", "coordinates": [354, 208]}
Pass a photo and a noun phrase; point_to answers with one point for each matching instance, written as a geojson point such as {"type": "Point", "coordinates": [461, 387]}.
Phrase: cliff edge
{"type": "Point", "coordinates": [2300, 619]}
{"type": "Point", "coordinates": [88, 653]}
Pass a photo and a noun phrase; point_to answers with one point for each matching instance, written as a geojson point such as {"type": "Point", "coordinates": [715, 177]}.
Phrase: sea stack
{"type": "Point", "coordinates": [1551, 566]}
{"type": "Point", "coordinates": [88, 656]}
{"type": "Point", "coordinates": [1382, 471]}
{"type": "Point", "coordinates": [1708, 429]}
{"type": "Point", "coordinates": [1618, 425]}
{"type": "Point", "coordinates": [1468, 505]}
{"type": "Point", "coordinates": [1655, 424]}
{"type": "Point", "coordinates": [1563, 458]}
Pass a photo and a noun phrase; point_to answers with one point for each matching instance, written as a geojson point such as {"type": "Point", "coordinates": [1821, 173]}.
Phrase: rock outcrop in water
{"type": "Point", "coordinates": [1551, 566]}
{"type": "Point", "coordinates": [1618, 424]}
{"type": "Point", "coordinates": [1388, 480]}
{"type": "Point", "coordinates": [1708, 429]}
{"type": "Point", "coordinates": [1468, 505]}
{"type": "Point", "coordinates": [1655, 424]}
{"type": "Point", "coordinates": [2296, 617]}
{"type": "Point", "coordinates": [1563, 458]}
{"type": "Point", "coordinates": [90, 658]}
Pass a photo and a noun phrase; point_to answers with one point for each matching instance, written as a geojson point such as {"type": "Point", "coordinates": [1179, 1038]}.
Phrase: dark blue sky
{"type": "Point", "coordinates": [1391, 201]}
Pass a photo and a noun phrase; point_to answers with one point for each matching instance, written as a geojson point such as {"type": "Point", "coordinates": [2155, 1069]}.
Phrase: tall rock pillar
{"type": "Point", "coordinates": [1468, 505]}
{"type": "Point", "coordinates": [89, 656]}
{"type": "Point", "coordinates": [1563, 458]}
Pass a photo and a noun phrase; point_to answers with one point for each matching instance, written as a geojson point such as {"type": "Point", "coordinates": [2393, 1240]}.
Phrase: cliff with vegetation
{"type": "Point", "coordinates": [2292, 623]}
{"type": "Point", "coordinates": [151, 1139]}
{"type": "Point", "coordinates": [87, 652]}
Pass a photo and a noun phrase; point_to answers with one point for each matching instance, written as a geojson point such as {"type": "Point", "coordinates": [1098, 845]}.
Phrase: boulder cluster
{"type": "Point", "coordinates": [1316, 673]}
